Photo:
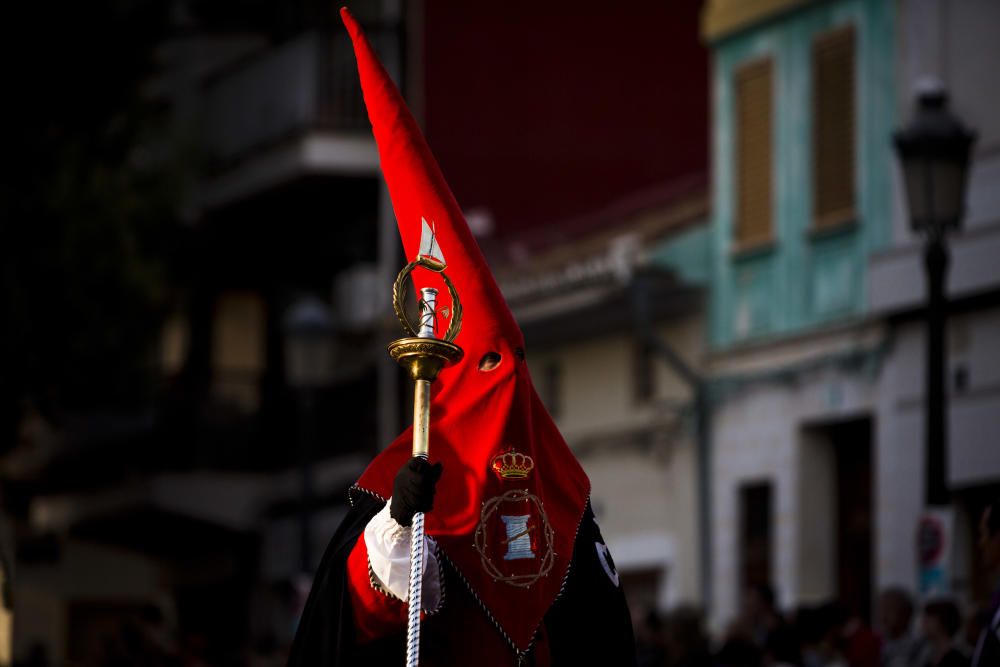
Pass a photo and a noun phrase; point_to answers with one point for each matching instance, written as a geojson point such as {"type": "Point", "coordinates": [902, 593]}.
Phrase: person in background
{"type": "Point", "coordinates": [649, 648]}
{"type": "Point", "coordinates": [987, 652]}
{"type": "Point", "coordinates": [900, 648]}
{"type": "Point", "coordinates": [762, 622]}
{"type": "Point", "coordinates": [821, 631]}
{"type": "Point", "coordinates": [687, 642]}
{"type": "Point", "coordinates": [758, 614]}
{"type": "Point", "coordinates": [942, 621]}
{"type": "Point", "coordinates": [738, 651]}
{"type": "Point", "coordinates": [861, 646]}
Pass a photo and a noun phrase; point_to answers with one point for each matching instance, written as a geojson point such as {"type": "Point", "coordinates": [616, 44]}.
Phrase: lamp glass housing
{"type": "Point", "coordinates": [934, 151]}
{"type": "Point", "coordinates": [309, 344]}
{"type": "Point", "coordinates": [935, 192]}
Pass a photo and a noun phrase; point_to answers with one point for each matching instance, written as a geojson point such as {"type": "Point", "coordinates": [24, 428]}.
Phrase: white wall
{"type": "Point", "coordinates": [753, 442]}
{"type": "Point", "coordinates": [974, 432]}
{"type": "Point", "coordinates": [645, 505]}
{"type": "Point", "coordinates": [817, 546]}
{"type": "Point", "coordinates": [759, 434]}
{"type": "Point", "coordinates": [597, 379]}
{"type": "Point", "coordinates": [645, 496]}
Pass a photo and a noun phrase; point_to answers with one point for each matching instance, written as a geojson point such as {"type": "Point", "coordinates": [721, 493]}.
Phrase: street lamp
{"type": "Point", "coordinates": [309, 358]}
{"type": "Point", "coordinates": [934, 151]}
{"type": "Point", "coordinates": [309, 345]}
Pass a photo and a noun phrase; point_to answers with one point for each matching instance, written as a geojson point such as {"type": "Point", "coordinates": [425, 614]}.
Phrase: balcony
{"type": "Point", "coordinates": [291, 110]}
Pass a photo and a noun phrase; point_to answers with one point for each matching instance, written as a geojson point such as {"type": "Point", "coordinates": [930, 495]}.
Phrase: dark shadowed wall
{"type": "Point", "coordinates": [543, 111]}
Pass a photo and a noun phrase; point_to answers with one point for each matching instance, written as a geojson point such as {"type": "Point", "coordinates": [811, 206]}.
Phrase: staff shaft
{"type": "Point", "coordinates": [423, 356]}
{"type": "Point", "coordinates": [421, 447]}
{"type": "Point", "coordinates": [421, 417]}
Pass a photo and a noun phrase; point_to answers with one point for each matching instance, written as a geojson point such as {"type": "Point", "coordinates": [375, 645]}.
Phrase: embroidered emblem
{"type": "Point", "coordinates": [518, 537]}
{"type": "Point", "coordinates": [512, 465]}
{"type": "Point", "coordinates": [515, 548]}
{"type": "Point", "coordinates": [608, 563]}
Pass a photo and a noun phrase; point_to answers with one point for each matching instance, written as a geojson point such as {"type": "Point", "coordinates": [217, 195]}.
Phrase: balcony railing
{"type": "Point", "coordinates": [307, 83]}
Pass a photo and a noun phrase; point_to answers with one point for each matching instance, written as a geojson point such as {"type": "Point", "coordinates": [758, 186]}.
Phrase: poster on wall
{"type": "Point", "coordinates": [934, 545]}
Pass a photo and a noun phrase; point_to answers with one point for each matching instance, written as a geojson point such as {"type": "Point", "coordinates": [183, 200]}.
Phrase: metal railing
{"type": "Point", "coordinates": [307, 83]}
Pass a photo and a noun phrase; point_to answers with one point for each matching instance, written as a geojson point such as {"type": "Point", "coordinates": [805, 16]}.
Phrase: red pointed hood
{"type": "Point", "coordinates": [476, 416]}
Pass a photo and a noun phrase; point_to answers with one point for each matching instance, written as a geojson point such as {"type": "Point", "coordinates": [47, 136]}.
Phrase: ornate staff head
{"type": "Point", "coordinates": [422, 353]}
{"type": "Point", "coordinates": [428, 312]}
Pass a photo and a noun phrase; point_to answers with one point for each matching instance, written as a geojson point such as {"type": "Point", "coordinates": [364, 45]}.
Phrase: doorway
{"type": "Point", "coordinates": [836, 515]}
{"type": "Point", "coordinates": [853, 454]}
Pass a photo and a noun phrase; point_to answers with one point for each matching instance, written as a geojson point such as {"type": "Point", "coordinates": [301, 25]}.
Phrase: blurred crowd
{"type": "Point", "coordinates": [935, 634]}
{"type": "Point", "coordinates": [902, 633]}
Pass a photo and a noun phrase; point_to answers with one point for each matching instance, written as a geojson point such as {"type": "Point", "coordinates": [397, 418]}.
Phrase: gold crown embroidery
{"type": "Point", "coordinates": [512, 465]}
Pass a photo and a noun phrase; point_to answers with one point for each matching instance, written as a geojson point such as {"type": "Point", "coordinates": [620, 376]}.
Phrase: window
{"type": "Point", "coordinates": [833, 128]}
{"type": "Point", "coordinates": [754, 94]}
{"type": "Point", "coordinates": [174, 344]}
{"type": "Point", "coordinates": [238, 349]}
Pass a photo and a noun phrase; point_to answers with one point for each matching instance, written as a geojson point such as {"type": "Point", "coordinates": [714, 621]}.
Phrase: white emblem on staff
{"type": "Point", "coordinates": [428, 312]}
{"type": "Point", "coordinates": [518, 537]}
{"type": "Point", "coordinates": [428, 242]}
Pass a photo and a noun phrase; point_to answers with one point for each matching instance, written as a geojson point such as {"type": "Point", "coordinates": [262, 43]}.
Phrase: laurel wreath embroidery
{"type": "Point", "coordinates": [490, 507]}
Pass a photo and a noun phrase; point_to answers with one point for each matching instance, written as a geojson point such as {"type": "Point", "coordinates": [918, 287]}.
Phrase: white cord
{"type": "Point", "coordinates": [416, 588]}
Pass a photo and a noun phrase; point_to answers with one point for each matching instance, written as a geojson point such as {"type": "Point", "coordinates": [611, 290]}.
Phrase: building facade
{"type": "Point", "coordinates": [817, 359]}
{"type": "Point", "coordinates": [947, 45]}
{"type": "Point", "coordinates": [804, 103]}
{"type": "Point", "coordinates": [614, 326]}
{"type": "Point", "coordinates": [197, 520]}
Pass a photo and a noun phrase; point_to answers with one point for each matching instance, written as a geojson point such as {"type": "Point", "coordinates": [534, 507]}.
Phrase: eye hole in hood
{"type": "Point", "coordinates": [489, 362]}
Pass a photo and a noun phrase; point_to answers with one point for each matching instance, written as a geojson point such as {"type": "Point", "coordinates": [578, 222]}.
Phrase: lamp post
{"type": "Point", "coordinates": [309, 357]}
{"type": "Point", "coordinates": [934, 152]}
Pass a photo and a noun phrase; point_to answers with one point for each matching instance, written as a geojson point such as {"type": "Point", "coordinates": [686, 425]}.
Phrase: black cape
{"type": "Point", "coordinates": [588, 624]}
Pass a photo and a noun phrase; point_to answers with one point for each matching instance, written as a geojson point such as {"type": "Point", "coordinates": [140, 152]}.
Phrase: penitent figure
{"type": "Point", "coordinates": [516, 570]}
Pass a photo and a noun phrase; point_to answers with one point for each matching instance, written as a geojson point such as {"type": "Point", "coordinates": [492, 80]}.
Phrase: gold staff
{"type": "Point", "coordinates": [423, 356]}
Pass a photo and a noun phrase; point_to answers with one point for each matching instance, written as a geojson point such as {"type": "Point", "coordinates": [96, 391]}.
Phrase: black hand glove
{"type": "Point", "coordinates": [413, 490]}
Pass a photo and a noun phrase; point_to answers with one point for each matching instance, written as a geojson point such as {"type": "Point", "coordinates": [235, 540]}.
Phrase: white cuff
{"type": "Point", "coordinates": [389, 560]}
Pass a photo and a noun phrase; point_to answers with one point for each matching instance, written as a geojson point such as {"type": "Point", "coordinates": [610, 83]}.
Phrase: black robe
{"type": "Point", "coordinates": [588, 624]}
{"type": "Point", "coordinates": [987, 650]}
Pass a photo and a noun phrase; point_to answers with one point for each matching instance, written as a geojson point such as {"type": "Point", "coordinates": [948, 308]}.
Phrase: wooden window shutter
{"type": "Point", "coordinates": [754, 120]}
{"type": "Point", "coordinates": [833, 127]}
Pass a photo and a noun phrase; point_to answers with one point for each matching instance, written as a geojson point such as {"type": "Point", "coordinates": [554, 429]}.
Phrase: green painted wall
{"type": "Point", "coordinates": [804, 280]}
{"type": "Point", "coordinates": [688, 255]}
